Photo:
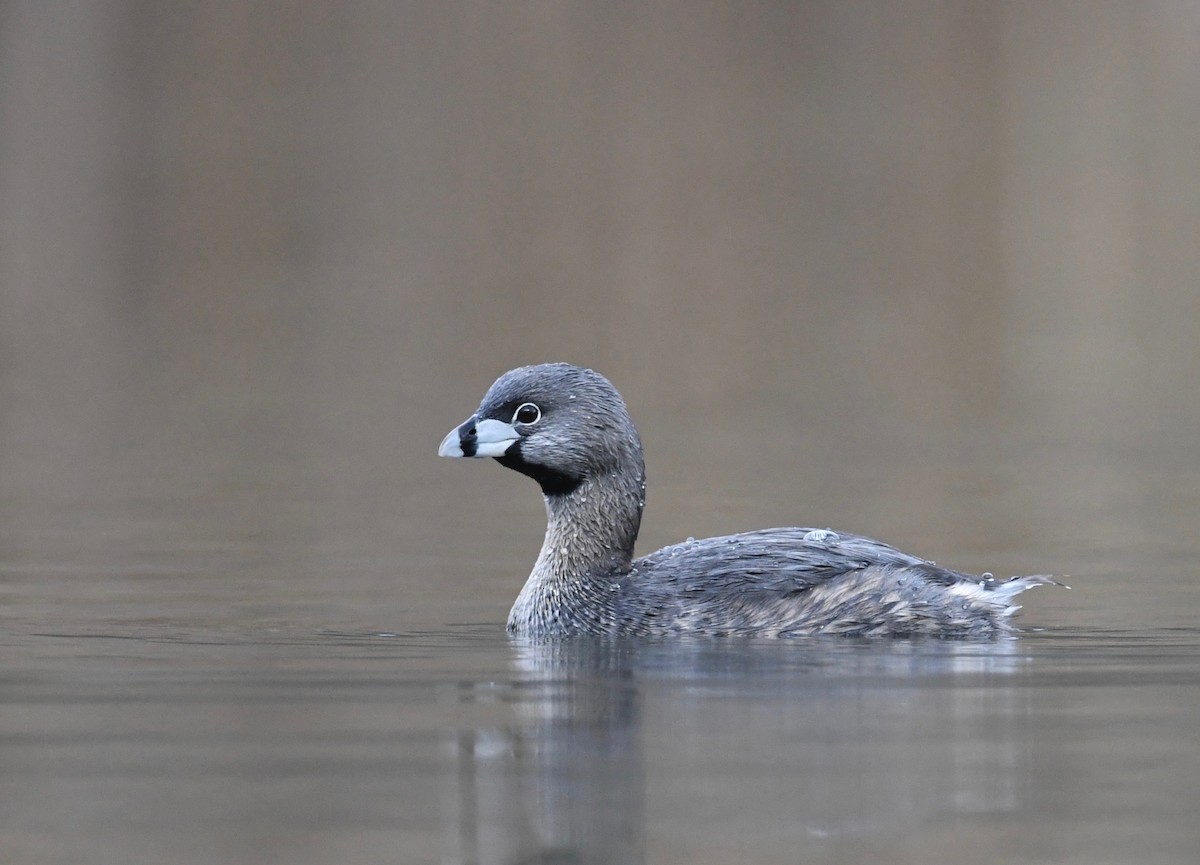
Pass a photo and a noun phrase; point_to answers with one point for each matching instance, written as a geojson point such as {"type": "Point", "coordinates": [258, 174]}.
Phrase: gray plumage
{"type": "Point", "coordinates": [568, 428]}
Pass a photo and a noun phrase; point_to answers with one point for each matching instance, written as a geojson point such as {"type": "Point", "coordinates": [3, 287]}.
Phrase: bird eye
{"type": "Point", "coordinates": [528, 413]}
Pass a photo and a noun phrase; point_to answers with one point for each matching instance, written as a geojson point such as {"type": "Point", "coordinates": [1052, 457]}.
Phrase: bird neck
{"type": "Point", "coordinates": [590, 534]}
{"type": "Point", "coordinates": [594, 527]}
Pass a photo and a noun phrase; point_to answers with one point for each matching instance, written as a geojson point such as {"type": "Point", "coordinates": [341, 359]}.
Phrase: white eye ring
{"type": "Point", "coordinates": [527, 413]}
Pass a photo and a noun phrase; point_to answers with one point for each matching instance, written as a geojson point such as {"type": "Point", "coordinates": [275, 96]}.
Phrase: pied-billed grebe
{"type": "Point", "coordinates": [569, 430]}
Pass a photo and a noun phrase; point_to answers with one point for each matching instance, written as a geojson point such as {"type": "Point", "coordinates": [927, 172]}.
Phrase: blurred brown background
{"type": "Point", "coordinates": [922, 270]}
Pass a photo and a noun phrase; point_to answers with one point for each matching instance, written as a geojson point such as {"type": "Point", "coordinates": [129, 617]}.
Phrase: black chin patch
{"type": "Point", "coordinates": [552, 482]}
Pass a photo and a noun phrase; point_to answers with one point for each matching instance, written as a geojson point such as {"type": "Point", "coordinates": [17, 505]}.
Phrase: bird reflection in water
{"type": "Point", "coordinates": [770, 747]}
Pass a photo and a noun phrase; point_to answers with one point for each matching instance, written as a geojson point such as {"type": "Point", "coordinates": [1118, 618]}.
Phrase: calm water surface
{"type": "Point", "coordinates": [459, 745]}
{"type": "Point", "coordinates": [214, 654]}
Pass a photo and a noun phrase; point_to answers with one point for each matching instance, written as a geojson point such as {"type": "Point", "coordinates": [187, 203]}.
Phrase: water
{"type": "Point", "coordinates": [210, 656]}
{"type": "Point", "coordinates": [460, 746]}
{"type": "Point", "coordinates": [911, 270]}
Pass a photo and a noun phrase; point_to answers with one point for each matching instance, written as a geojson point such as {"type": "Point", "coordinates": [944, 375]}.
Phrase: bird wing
{"type": "Point", "coordinates": [774, 562]}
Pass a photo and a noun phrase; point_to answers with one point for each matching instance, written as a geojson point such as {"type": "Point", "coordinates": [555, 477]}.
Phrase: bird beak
{"type": "Point", "coordinates": [479, 438]}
